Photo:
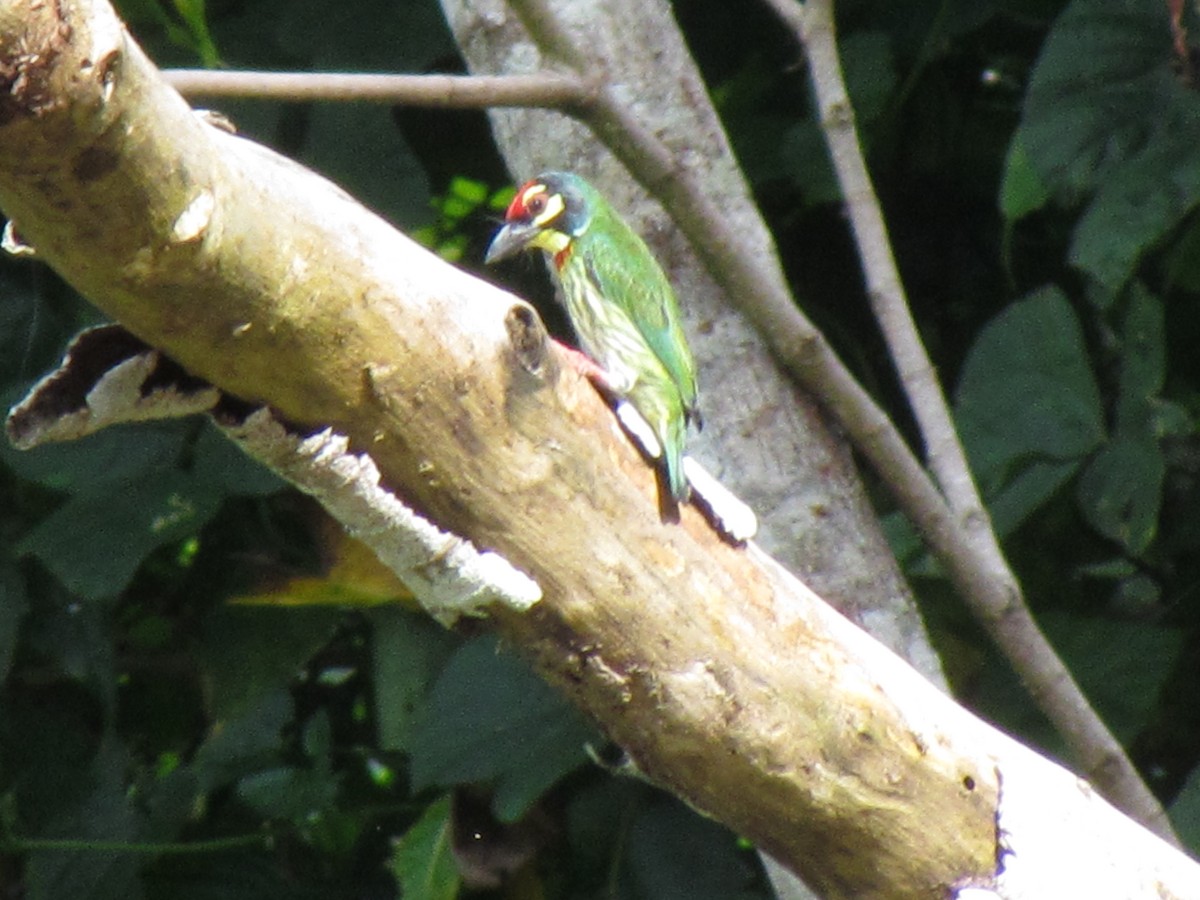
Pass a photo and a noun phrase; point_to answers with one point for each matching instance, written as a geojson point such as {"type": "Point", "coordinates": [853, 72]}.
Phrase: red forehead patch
{"type": "Point", "coordinates": [519, 208]}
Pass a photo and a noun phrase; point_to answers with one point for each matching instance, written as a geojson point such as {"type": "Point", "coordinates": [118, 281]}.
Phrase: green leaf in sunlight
{"type": "Point", "coordinates": [422, 860]}
{"type": "Point", "coordinates": [194, 19]}
{"type": "Point", "coordinates": [1022, 191]}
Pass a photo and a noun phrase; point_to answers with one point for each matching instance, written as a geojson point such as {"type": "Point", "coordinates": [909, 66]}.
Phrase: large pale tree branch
{"type": "Point", "coordinates": [721, 675]}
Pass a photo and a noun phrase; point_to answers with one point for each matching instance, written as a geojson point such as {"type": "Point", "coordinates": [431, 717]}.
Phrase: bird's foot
{"type": "Point", "coordinates": [587, 367]}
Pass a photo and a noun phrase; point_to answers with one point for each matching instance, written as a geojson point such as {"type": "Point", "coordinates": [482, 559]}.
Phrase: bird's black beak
{"type": "Point", "coordinates": [510, 240]}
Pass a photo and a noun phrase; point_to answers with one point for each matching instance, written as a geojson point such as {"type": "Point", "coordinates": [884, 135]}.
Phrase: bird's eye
{"type": "Point", "coordinates": [536, 204]}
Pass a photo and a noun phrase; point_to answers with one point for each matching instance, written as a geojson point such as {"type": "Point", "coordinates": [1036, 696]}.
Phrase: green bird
{"type": "Point", "coordinates": [619, 301]}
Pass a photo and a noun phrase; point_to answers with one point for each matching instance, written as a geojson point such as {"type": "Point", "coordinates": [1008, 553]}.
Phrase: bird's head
{"type": "Point", "coordinates": [548, 213]}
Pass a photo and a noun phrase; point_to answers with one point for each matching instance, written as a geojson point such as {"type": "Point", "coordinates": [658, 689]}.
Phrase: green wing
{"type": "Point", "coordinates": [625, 271]}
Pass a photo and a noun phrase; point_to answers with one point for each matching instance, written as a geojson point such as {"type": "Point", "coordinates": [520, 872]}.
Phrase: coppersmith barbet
{"type": "Point", "coordinates": [619, 301]}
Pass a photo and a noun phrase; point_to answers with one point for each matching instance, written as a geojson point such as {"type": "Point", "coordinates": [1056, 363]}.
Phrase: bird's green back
{"type": "Point", "coordinates": [624, 269]}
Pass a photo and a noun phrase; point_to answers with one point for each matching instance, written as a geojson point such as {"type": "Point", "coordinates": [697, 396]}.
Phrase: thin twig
{"type": "Point", "coordinates": [14, 844]}
{"type": "Point", "coordinates": [548, 90]}
{"type": "Point", "coordinates": [943, 449]}
{"type": "Point", "coordinates": [999, 602]}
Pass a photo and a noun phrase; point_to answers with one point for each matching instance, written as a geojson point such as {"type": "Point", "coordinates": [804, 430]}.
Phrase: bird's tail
{"type": "Point", "coordinates": [673, 436]}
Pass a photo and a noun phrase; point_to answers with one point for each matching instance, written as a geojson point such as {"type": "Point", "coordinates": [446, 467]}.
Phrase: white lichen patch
{"type": "Point", "coordinates": [449, 576]}
{"type": "Point", "coordinates": [732, 517]}
{"type": "Point", "coordinates": [639, 428]}
{"type": "Point", "coordinates": [191, 224]}
{"type": "Point", "coordinates": [12, 243]}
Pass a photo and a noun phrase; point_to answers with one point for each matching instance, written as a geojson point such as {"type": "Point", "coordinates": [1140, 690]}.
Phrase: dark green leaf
{"type": "Point", "coordinates": [758, 133]}
{"type": "Point", "coordinates": [102, 462]}
{"type": "Point", "coordinates": [33, 331]}
{"type": "Point", "coordinates": [101, 814]}
{"type": "Point", "coordinates": [358, 145]}
{"type": "Point", "coordinates": [232, 876]}
{"type": "Point", "coordinates": [1102, 92]}
{"type": "Point", "coordinates": [1171, 419]}
{"type": "Point", "coordinates": [1183, 258]}
{"type": "Point", "coordinates": [422, 860]}
{"type": "Point", "coordinates": [407, 651]}
{"type": "Point", "coordinates": [1028, 488]}
{"type": "Point", "coordinates": [870, 73]}
{"type": "Point", "coordinates": [382, 172]}
{"type": "Point", "coordinates": [1128, 214]}
{"type": "Point", "coordinates": [369, 34]}
{"type": "Point", "coordinates": [234, 749]}
{"type": "Point", "coordinates": [672, 852]}
{"type": "Point", "coordinates": [599, 815]}
{"type": "Point", "coordinates": [1121, 489]}
{"type": "Point", "coordinates": [95, 542]}
{"type": "Point", "coordinates": [1026, 492]}
{"type": "Point", "coordinates": [13, 605]}
{"type": "Point", "coordinates": [77, 638]}
{"type": "Point", "coordinates": [251, 652]}
{"type": "Point", "coordinates": [870, 80]}
{"type": "Point", "coordinates": [240, 745]}
{"type": "Point", "coordinates": [902, 538]}
{"type": "Point", "coordinates": [219, 462]}
{"type": "Point", "coordinates": [1106, 117]}
{"type": "Point", "coordinates": [1143, 364]}
{"type": "Point", "coordinates": [50, 741]}
{"type": "Point", "coordinates": [806, 157]}
{"type": "Point", "coordinates": [1120, 666]}
{"type": "Point", "coordinates": [1185, 811]}
{"type": "Point", "coordinates": [490, 719]}
{"type": "Point", "coordinates": [290, 793]}
{"type": "Point", "coordinates": [1027, 391]}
